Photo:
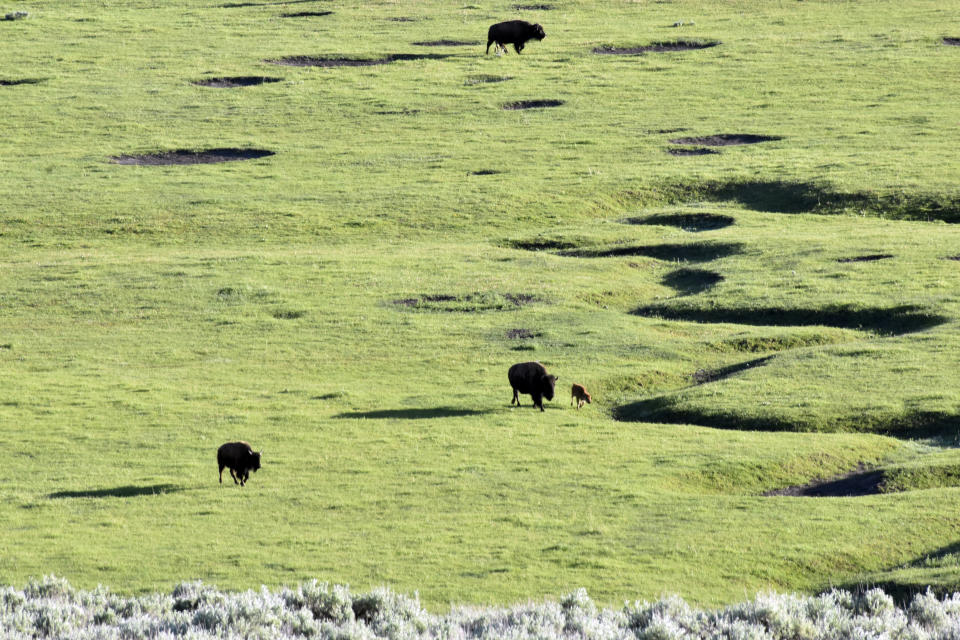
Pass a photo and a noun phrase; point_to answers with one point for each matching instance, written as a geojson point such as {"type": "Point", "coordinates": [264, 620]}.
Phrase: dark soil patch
{"type": "Point", "coordinates": [868, 258]}
{"type": "Point", "coordinates": [541, 244]}
{"type": "Point", "coordinates": [306, 14]}
{"type": "Point", "coordinates": [403, 19]}
{"type": "Point", "coordinates": [861, 482]}
{"type": "Point", "coordinates": [693, 252]}
{"type": "Point", "coordinates": [532, 104]}
{"type": "Point", "coordinates": [953, 42]}
{"type": "Point", "coordinates": [485, 172]}
{"type": "Point", "coordinates": [690, 281]}
{"type": "Point", "coordinates": [694, 222]}
{"type": "Point", "coordinates": [521, 334]}
{"type": "Point", "coordinates": [691, 151]}
{"type": "Point", "coordinates": [235, 81]}
{"type": "Point", "coordinates": [703, 376]}
{"type": "Point", "coordinates": [236, 5]}
{"type": "Point", "coordinates": [885, 321]}
{"type": "Point", "coordinates": [483, 79]}
{"type": "Point", "coordinates": [468, 303]}
{"type": "Point", "coordinates": [957, 257]}
{"type": "Point", "coordinates": [655, 47]}
{"type": "Point", "coordinates": [341, 61]}
{"type": "Point", "coordinates": [533, 7]}
{"type": "Point", "coordinates": [808, 197]}
{"type": "Point", "coordinates": [726, 139]}
{"type": "Point", "coordinates": [184, 156]}
{"type": "Point", "coordinates": [13, 83]}
{"type": "Point", "coordinates": [448, 43]}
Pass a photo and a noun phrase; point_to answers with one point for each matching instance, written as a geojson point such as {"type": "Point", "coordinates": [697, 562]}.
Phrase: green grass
{"type": "Point", "coordinates": [351, 304]}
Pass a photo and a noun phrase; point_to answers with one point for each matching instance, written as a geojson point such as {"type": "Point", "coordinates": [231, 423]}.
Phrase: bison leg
{"type": "Point", "coordinates": [221, 474]}
{"type": "Point", "coordinates": [516, 399]}
{"type": "Point", "coordinates": [233, 474]}
{"type": "Point", "coordinates": [518, 46]}
{"type": "Point", "coordinates": [489, 42]}
{"type": "Point", "coordinates": [537, 400]}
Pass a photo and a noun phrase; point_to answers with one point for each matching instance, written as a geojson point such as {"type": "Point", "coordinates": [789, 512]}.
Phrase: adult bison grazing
{"type": "Point", "coordinates": [240, 459]}
{"type": "Point", "coordinates": [515, 32]}
{"type": "Point", "coordinates": [532, 378]}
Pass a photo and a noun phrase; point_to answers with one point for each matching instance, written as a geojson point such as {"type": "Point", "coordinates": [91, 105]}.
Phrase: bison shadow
{"type": "Point", "coordinates": [413, 414]}
{"type": "Point", "coordinates": [129, 491]}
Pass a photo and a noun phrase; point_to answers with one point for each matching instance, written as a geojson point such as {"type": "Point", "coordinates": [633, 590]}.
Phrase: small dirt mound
{"type": "Point", "coordinates": [184, 156]}
{"type": "Point", "coordinates": [691, 151]}
{"type": "Point", "coordinates": [306, 14]}
{"type": "Point", "coordinates": [448, 43]}
{"type": "Point", "coordinates": [533, 7]}
{"type": "Point", "coordinates": [521, 334]}
{"type": "Point", "coordinates": [485, 172]}
{"type": "Point", "coordinates": [532, 104]}
{"type": "Point", "coordinates": [235, 81]}
{"type": "Point", "coordinates": [13, 83]}
{"type": "Point", "coordinates": [694, 222]}
{"type": "Point", "coordinates": [403, 19]}
{"type": "Point", "coordinates": [953, 42]}
{"type": "Point", "coordinates": [861, 482]}
{"type": "Point", "coordinates": [655, 47]}
{"type": "Point", "coordinates": [868, 258]}
{"type": "Point", "coordinates": [343, 61]}
{"type": "Point", "coordinates": [726, 139]}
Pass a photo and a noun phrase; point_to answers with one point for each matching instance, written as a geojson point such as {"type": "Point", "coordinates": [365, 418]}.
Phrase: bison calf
{"type": "Point", "coordinates": [515, 32]}
{"type": "Point", "coordinates": [531, 378]}
{"type": "Point", "coordinates": [580, 393]}
{"type": "Point", "coordinates": [240, 459]}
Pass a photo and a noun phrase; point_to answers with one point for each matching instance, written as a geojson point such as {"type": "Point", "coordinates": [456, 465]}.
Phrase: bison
{"type": "Point", "coordinates": [240, 458]}
{"type": "Point", "coordinates": [531, 378]}
{"type": "Point", "coordinates": [579, 392]}
{"type": "Point", "coordinates": [515, 32]}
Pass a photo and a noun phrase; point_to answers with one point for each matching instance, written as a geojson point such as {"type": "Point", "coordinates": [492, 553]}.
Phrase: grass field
{"type": "Point", "coordinates": [746, 320]}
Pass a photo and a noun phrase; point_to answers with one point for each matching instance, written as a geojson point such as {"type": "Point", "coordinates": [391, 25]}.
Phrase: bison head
{"type": "Point", "coordinates": [547, 384]}
{"type": "Point", "coordinates": [538, 32]}
{"type": "Point", "coordinates": [255, 460]}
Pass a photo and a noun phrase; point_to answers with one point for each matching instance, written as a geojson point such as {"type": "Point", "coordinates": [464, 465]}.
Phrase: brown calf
{"type": "Point", "coordinates": [578, 392]}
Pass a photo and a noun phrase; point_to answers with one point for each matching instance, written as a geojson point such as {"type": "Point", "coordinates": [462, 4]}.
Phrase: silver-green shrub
{"type": "Point", "coordinates": [51, 608]}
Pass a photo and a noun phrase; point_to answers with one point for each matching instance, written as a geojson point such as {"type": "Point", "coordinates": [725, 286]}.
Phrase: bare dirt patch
{"type": "Point", "coordinates": [467, 303]}
{"type": "Point", "coordinates": [306, 14]}
{"type": "Point", "coordinates": [694, 222]}
{"type": "Point", "coordinates": [521, 334]}
{"type": "Point", "coordinates": [448, 43]}
{"type": "Point", "coordinates": [655, 47]}
{"type": "Point", "coordinates": [691, 281]}
{"type": "Point", "coordinates": [860, 482]}
{"type": "Point", "coordinates": [485, 172]}
{"type": "Point", "coordinates": [726, 139]}
{"type": "Point", "coordinates": [533, 7]}
{"type": "Point", "coordinates": [672, 252]}
{"type": "Point", "coordinates": [953, 42]}
{"type": "Point", "coordinates": [185, 156]}
{"type": "Point", "coordinates": [486, 79]}
{"type": "Point", "coordinates": [13, 83]}
{"type": "Point", "coordinates": [343, 61]}
{"type": "Point", "coordinates": [691, 151]}
{"type": "Point", "coordinates": [235, 81]}
{"type": "Point", "coordinates": [532, 104]}
{"type": "Point", "coordinates": [868, 258]}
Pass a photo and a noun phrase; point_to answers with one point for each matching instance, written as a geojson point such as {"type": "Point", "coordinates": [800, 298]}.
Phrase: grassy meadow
{"type": "Point", "coordinates": [746, 320]}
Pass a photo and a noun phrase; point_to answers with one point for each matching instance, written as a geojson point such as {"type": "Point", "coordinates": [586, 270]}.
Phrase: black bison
{"type": "Point", "coordinates": [240, 459]}
{"type": "Point", "coordinates": [532, 378]}
{"type": "Point", "coordinates": [515, 32]}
